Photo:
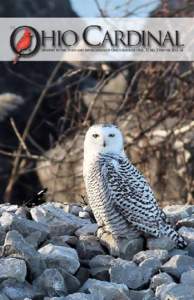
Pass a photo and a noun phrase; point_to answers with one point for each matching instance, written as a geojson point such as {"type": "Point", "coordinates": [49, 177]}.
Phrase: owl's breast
{"type": "Point", "coordinates": [101, 202]}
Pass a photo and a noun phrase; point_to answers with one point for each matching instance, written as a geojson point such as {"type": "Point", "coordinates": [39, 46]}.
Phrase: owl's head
{"type": "Point", "coordinates": [103, 139]}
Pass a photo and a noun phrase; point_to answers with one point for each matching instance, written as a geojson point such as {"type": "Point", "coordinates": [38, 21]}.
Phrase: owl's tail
{"type": "Point", "coordinates": [167, 230]}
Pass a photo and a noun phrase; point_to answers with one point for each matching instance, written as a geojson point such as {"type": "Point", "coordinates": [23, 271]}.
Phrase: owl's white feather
{"type": "Point", "coordinates": [118, 193]}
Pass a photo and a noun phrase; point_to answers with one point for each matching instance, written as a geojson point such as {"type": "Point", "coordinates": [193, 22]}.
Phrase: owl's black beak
{"type": "Point", "coordinates": [104, 144]}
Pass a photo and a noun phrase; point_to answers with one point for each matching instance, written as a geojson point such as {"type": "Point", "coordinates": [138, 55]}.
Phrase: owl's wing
{"type": "Point", "coordinates": [131, 194]}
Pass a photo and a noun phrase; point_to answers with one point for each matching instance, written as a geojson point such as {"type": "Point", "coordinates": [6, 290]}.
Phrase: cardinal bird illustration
{"type": "Point", "coordinates": [23, 44]}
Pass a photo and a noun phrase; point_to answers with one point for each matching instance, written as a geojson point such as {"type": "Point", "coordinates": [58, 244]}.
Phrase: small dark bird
{"type": "Point", "coordinates": [37, 198]}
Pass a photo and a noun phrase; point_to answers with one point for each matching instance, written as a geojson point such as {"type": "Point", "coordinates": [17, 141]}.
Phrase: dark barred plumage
{"type": "Point", "coordinates": [119, 194]}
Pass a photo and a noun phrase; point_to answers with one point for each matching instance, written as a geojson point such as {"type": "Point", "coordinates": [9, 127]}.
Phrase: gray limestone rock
{"type": "Point", "coordinates": [16, 246]}
{"type": "Point", "coordinates": [50, 283]}
{"type": "Point", "coordinates": [88, 247]}
{"type": "Point", "coordinates": [187, 233]}
{"type": "Point", "coordinates": [188, 278]}
{"type": "Point", "coordinates": [125, 248]}
{"type": "Point", "coordinates": [13, 268]}
{"type": "Point", "coordinates": [106, 290]}
{"type": "Point", "coordinates": [24, 226]}
{"type": "Point", "coordinates": [162, 255]}
{"type": "Point", "coordinates": [79, 296]}
{"type": "Point", "coordinates": [89, 229]}
{"type": "Point", "coordinates": [49, 214]}
{"type": "Point", "coordinates": [63, 240]}
{"type": "Point", "coordinates": [3, 297]}
{"type": "Point", "coordinates": [75, 209]}
{"type": "Point", "coordinates": [175, 213]}
{"type": "Point", "coordinates": [72, 283]}
{"type": "Point", "coordinates": [159, 279]}
{"type": "Point", "coordinates": [142, 295]}
{"type": "Point", "coordinates": [6, 207]}
{"type": "Point", "coordinates": [61, 228]}
{"type": "Point", "coordinates": [178, 264]}
{"type": "Point", "coordinates": [84, 215]}
{"type": "Point", "coordinates": [18, 291]}
{"type": "Point", "coordinates": [162, 290]}
{"type": "Point", "coordinates": [22, 212]}
{"type": "Point", "coordinates": [176, 292]}
{"type": "Point", "coordinates": [126, 272]}
{"type": "Point", "coordinates": [2, 236]}
{"type": "Point", "coordinates": [99, 267]}
{"type": "Point", "coordinates": [162, 243]}
{"type": "Point", "coordinates": [58, 256]}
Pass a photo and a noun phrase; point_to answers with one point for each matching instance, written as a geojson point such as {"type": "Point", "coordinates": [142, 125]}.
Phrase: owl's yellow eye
{"type": "Point", "coordinates": [111, 135]}
{"type": "Point", "coordinates": [95, 135]}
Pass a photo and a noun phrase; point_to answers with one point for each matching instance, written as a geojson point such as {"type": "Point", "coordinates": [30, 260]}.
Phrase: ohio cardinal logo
{"type": "Point", "coordinates": [24, 41]}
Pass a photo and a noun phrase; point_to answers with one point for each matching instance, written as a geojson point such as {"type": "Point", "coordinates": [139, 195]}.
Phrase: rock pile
{"type": "Point", "coordinates": [55, 251]}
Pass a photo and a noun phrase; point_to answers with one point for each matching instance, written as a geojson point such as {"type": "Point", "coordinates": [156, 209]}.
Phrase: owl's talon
{"type": "Point", "coordinates": [101, 230]}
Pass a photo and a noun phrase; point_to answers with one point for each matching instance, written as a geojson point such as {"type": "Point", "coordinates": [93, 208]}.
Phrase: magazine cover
{"type": "Point", "coordinates": [96, 150]}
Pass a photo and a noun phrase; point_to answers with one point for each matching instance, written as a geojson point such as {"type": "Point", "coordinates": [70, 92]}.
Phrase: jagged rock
{"type": "Point", "coordinates": [178, 264]}
{"type": "Point", "coordinates": [84, 215]}
{"type": "Point", "coordinates": [34, 239]}
{"type": "Point", "coordinates": [125, 248]}
{"type": "Point", "coordinates": [101, 261]}
{"type": "Point", "coordinates": [99, 267]}
{"type": "Point", "coordinates": [3, 297]}
{"type": "Point", "coordinates": [58, 256]}
{"type": "Point", "coordinates": [22, 212]}
{"type": "Point", "coordinates": [55, 270]}
{"type": "Point", "coordinates": [79, 296]}
{"type": "Point", "coordinates": [125, 272]}
{"type": "Point", "coordinates": [70, 240]}
{"type": "Point", "coordinates": [12, 208]}
{"type": "Point", "coordinates": [142, 295]}
{"type": "Point", "coordinates": [82, 275]}
{"type": "Point", "coordinates": [18, 291]}
{"type": "Point", "coordinates": [11, 222]}
{"type": "Point", "coordinates": [106, 290]}
{"type": "Point", "coordinates": [62, 228]}
{"type": "Point", "coordinates": [54, 298]}
{"type": "Point", "coordinates": [63, 240]}
{"type": "Point", "coordinates": [187, 233]}
{"type": "Point", "coordinates": [176, 292]}
{"type": "Point", "coordinates": [190, 249]}
{"type": "Point", "coordinates": [75, 209]}
{"type": "Point", "coordinates": [15, 245]}
{"type": "Point", "coordinates": [162, 290]}
{"type": "Point", "coordinates": [72, 283]}
{"type": "Point", "coordinates": [88, 247]}
{"type": "Point", "coordinates": [12, 268]}
{"type": "Point", "coordinates": [148, 268]}
{"type": "Point", "coordinates": [49, 214]}
{"type": "Point", "coordinates": [122, 271]}
{"type": "Point", "coordinates": [175, 213]}
{"type": "Point", "coordinates": [162, 243]}
{"type": "Point", "coordinates": [87, 208]}
{"type": "Point", "coordinates": [159, 279]}
{"type": "Point", "coordinates": [50, 283]}
{"type": "Point", "coordinates": [176, 251]}
{"type": "Point", "coordinates": [90, 229]}
{"type": "Point", "coordinates": [2, 236]}
{"type": "Point", "coordinates": [187, 277]}
{"type": "Point", "coordinates": [162, 255]}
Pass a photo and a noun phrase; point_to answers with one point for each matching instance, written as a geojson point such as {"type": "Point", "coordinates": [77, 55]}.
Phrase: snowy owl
{"type": "Point", "coordinates": [117, 192]}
